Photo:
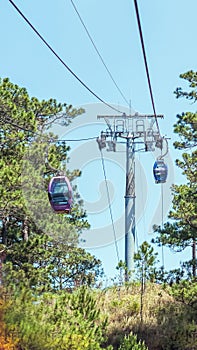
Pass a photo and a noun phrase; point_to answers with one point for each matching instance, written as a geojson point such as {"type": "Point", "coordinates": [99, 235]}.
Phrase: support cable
{"type": "Point", "coordinates": [110, 208]}
{"type": "Point", "coordinates": [61, 60]}
{"type": "Point", "coordinates": [145, 61]}
{"type": "Point", "coordinates": [97, 51]}
{"type": "Point", "coordinates": [55, 141]}
{"type": "Point", "coordinates": [162, 220]}
{"type": "Point", "coordinates": [153, 103]}
{"type": "Point", "coordinates": [142, 197]}
{"type": "Point", "coordinates": [77, 140]}
{"type": "Point", "coordinates": [136, 239]}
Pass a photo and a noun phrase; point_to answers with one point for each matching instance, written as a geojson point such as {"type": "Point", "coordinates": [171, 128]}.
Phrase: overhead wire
{"type": "Point", "coordinates": [76, 140]}
{"type": "Point", "coordinates": [109, 204]}
{"type": "Point", "coordinates": [162, 221]}
{"type": "Point", "coordinates": [145, 62]}
{"type": "Point", "coordinates": [61, 60]}
{"type": "Point", "coordinates": [142, 199]}
{"type": "Point", "coordinates": [7, 121]}
{"type": "Point", "coordinates": [152, 99]}
{"type": "Point", "coordinates": [97, 51]}
{"type": "Point", "coordinates": [51, 141]}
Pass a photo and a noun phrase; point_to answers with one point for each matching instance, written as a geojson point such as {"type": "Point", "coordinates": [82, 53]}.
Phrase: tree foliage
{"type": "Point", "coordinates": [39, 251]}
{"type": "Point", "coordinates": [145, 262]}
{"type": "Point", "coordinates": [39, 248]}
{"type": "Point", "coordinates": [181, 231]}
{"type": "Point", "coordinates": [44, 264]}
{"type": "Point", "coordinates": [7, 341]}
{"type": "Point", "coordinates": [65, 321]}
{"type": "Point", "coordinates": [29, 156]}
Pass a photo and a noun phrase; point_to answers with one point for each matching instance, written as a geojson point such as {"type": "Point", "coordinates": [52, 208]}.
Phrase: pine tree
{"type": "Point", "coordinates": [33, 238]}
{"type": "Point", "coordinates": [181, 231]}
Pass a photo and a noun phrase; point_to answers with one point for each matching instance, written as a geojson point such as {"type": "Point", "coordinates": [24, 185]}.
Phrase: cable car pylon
{"type": "Point", "coordinates": [135, 129]}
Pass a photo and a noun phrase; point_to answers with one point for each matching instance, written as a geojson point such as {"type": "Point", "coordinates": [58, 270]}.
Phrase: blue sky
{"type": "Point", "coordinates": [169, 30]}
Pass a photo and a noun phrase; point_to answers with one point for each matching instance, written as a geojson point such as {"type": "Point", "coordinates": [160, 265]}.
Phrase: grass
{"type": "Point", "coordinates": [128, 312]}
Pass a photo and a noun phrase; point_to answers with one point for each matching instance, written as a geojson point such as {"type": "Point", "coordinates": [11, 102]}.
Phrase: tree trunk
{"type": "Point", "coordinates": [25, 230]}
{"type": "Point", "coordinates": [142, 294]}
{"type": "Point", "coordinates": [4, 231]}
{"type": "Point", "coordinates": [194, 258]}
{"type": "Point", "coordinates": [2, 258]}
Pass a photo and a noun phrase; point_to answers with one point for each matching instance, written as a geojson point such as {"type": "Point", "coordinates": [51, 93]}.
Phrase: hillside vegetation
{"type": "Point", "coordinates": [160, 319]}
{"type": "Point", "coordinates": [117, 318]}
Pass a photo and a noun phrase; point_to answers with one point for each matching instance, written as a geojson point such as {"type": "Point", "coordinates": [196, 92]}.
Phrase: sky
{"type": "Point", "coordinates": [169, 31]}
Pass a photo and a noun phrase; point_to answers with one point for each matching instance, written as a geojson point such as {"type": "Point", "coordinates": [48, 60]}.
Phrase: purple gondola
{"type": "Point", "coordinates": [160, 171]}
{"type": "Point", "coordinates": [60, 194]}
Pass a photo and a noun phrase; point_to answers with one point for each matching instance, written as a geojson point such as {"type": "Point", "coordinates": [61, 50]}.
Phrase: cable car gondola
{"type": "Point", "coordinates": [60, 194]}
{"type": "Point", "coordinates": [160, 171]}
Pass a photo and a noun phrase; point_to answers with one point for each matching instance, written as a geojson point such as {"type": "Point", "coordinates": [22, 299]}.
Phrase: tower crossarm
{"type": "Point", "coordinates": [124, 115]}
{"type": "Point", "coordinates": [142, 126]}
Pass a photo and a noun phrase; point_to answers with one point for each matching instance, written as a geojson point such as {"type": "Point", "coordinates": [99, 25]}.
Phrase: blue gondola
{"type": "Point", "coordinates": [60, 194]}
{"type": "Point", "coordinates": [160, 171]}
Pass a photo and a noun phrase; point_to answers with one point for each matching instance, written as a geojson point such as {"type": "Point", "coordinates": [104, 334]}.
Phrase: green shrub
{"type": "Point", "coordinates": [130, 342]}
